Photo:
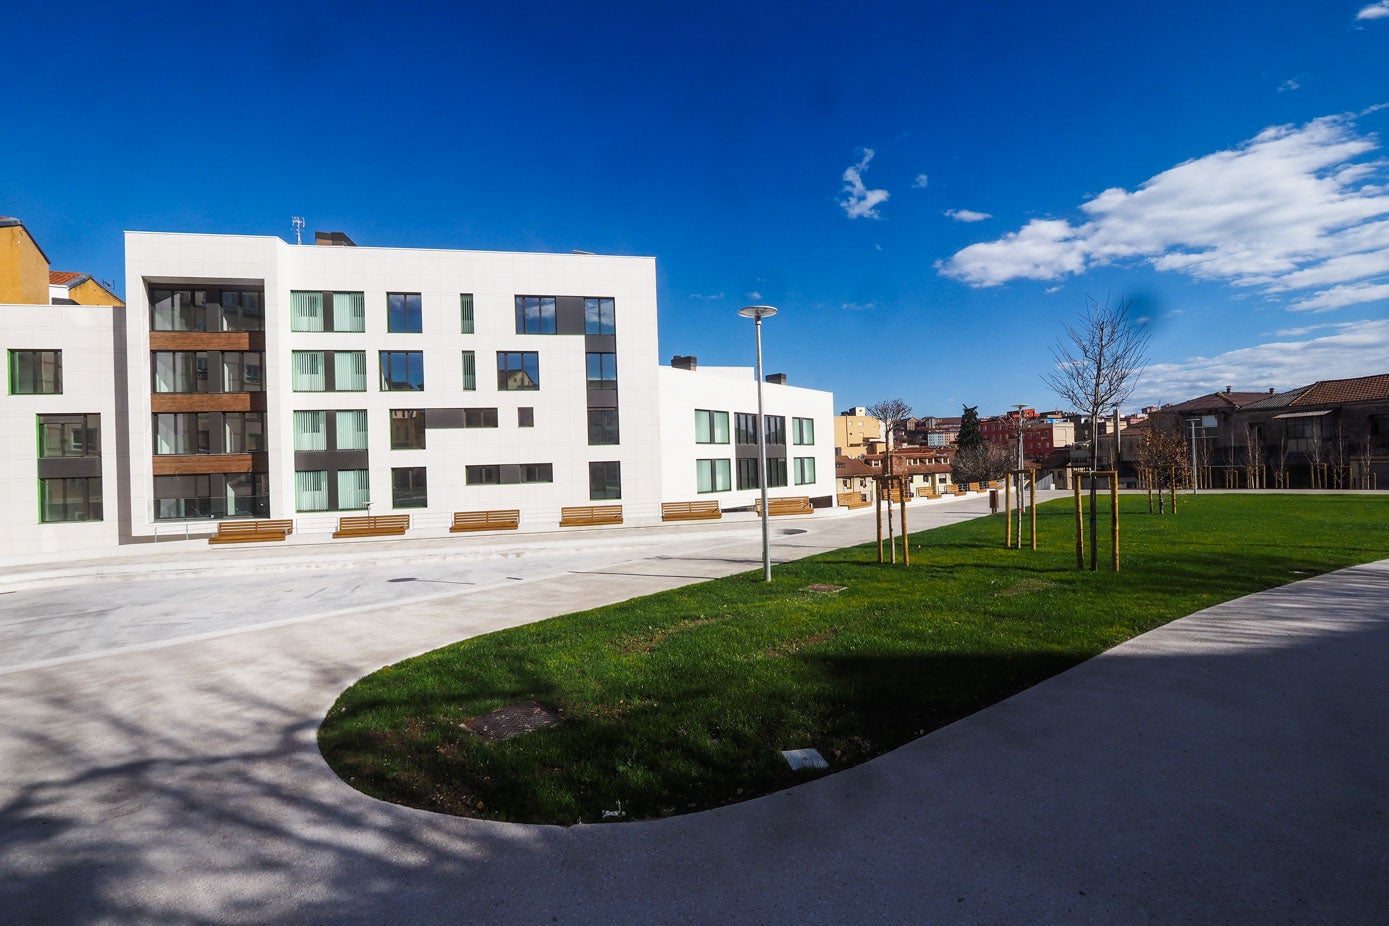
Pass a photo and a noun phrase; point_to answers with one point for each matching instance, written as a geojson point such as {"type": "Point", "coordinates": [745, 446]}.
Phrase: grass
{"type": "Point", "coordinates": [681, 701]}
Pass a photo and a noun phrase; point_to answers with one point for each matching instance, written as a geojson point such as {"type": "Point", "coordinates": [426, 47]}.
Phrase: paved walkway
{"type": "Point", "coordinates": [1231, 767]}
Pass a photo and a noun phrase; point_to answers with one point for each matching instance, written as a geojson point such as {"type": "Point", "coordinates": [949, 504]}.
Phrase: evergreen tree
{"type": "Point", "coordinates": [970, 438]}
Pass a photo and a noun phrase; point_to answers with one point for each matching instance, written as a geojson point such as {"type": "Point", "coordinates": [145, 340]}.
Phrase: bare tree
{"type": "Point", "coordinates": [1098, 364]}
{"type": "Point", "coordinates": [891, 412]}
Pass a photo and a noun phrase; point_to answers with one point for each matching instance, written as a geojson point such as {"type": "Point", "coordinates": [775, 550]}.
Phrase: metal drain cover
{"type": "Point", "coordinates": [512, 720]}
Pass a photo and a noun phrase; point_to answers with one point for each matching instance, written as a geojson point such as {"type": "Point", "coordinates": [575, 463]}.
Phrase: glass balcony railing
{"type": "Point", "coordinates": [214, 509]}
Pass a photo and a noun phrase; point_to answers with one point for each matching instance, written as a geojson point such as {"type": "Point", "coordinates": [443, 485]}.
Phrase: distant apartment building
{"type": "Point", "coordinates": [856, 432]}
{"type": "Point", "coordinates": [1041, 434]}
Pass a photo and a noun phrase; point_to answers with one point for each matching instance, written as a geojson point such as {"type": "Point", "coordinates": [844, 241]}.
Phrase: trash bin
{"type": "Point", "coordinates": [993, 500]}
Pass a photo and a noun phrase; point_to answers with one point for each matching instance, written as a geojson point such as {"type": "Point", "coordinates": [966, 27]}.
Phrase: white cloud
{"type": "Point", "coordinates": [1292, 209]}
{"type": "Point", "coordinates": [858, 306]}
{"type": "Point", "coordinates": [967, 215]}
{"type": "Point", "coordinates": [1289, 84]}
{"type": "Point", "coordinates": [1340, 296]}
{"type": "Point", "coordinates": [1378, 10]}
{"type": "Point", "coordinates": [711, 296]}
{"type": "Point", "coordinates": [1355, 349]}
{"type": "Point", "coordinates": [754, 295]}
{"type": "Point", "coordinates": [1053, 289]}
{"type": "Point", "coordinates": [859, 202]}
{"type": "Point", "coordinates": [920, 182]}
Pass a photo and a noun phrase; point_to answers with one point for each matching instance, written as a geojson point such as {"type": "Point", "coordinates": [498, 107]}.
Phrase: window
{"type": "Point", "coordinates": [310, 431]}
{"type": "Point", "coordinates": [805, 470]}
{"type": "Point", "coordinates": [479, 417]}
{"type": "Point", "coordinates": [311, 490]}
{"type": "Point", "coordinates": [36, 372]}
{"type": "Point", "coordinates": [402, 370]}
{"type": "Point", "coordinates": [602, 371]}
{"type": "Point", "coordinates": [349, 371]}
{"type": "Point", "coordinates": [803, 431]}
{"type": "Point", "coordinates": [714, 475]}
{"type": "Point", "coordinates": [354, 489]}
{"type": "Point", "coordinates": [408, 488]}
{"type": "Point", "coordinates": [407, 429]}
{"type": "Point", "coordinates": [776, 430]}
{"type": "Point", "coordinates": [465, 312]}
{"type": "Point", "coordinates": [350, 427]}
{"type": "Point", "coordinates": [69, 436]}
{"type": "Point", "coordinates": [70, 499]}
{"type": "Point", "coordinates": [349, 312]}
{"type": "Point", "coordinates": [305, 311]}
{"type": "Point", "coordinates": [711, 427]}
{"type": "Point", "coordinates": [535, 314]}
{"type": "Point", "coordinates": [747, 474]}
{"type": "Point", "coordinates": [182, 433]}
{"type": "Point", "coordinates": [518, 370]}
{"type": "Point", "coordinates": [745, 428]}
{"type": "Point", "coordinates": [307, 374]}
{"type": "Point", "coordinates": [209, 496]}
{"type": "Point", "coordinates": [776, 472]}
{"type": "Point", "coordinates": [598, 316]}
{"type": "Point", "coordinates": [183, 371]}
{"type": "Point", "coordinates": [403, 313]}
{"type": "Point", "coordinates": [537, 472]}
{"type": "Point", "coordinates": [482, 475]}
{"type": "Point", "coordinates": [604, 480]}
{"type": "Point", "coordinates": [178, 310]}
{"type": "Point", "coordinates": [243, 432]}
{"type": "Point", "coordinates": [602, 426]}
{"type": "Point", "coordinates": [242, 310]}
{"type": "Point", "coordinates": [469, 371]}
{"type": "Point", "coordinates": [525, 417]}
{"type": "Point", "coordinates": [241, 371]}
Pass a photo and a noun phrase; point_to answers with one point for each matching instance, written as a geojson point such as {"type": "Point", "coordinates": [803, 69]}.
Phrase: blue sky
{"type": "Point", "coordinates": [925, 190]}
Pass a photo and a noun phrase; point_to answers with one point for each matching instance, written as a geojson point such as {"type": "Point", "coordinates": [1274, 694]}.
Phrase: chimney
{"type": "Point", "coordinates": [684, 363]}
{"type": "Point", "coordinates": [333, 239]}
{"type": "Point", "coordinates": [1270, 390]}
{"type": "Point", "coordinates": [777, 379]}
{"type": "Point", "coordinates": [1228, 388]}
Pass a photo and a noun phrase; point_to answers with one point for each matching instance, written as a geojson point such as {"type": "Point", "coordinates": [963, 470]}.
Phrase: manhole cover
{"type": "Point", "coordinates": [824, 589]}
{"type": "Point", "coordinates": [512, 720]}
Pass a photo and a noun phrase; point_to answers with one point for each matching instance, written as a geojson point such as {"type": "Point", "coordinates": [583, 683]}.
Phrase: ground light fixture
{"type": "Point", "coordinates": [757, 313]}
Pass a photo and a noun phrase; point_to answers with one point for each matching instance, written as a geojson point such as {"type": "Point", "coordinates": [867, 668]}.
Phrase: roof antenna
{"type": "Point", "coordinates": [298, 223]}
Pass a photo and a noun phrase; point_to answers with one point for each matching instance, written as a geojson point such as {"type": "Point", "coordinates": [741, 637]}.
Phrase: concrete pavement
{"type": "Point", "coordinates": [1231, 767]}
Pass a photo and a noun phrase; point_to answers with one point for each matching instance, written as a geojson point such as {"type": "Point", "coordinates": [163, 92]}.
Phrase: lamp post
{"type": "Point", "coordinates": [1021, 504]}
{"type": "Point", "coordinates": [757, 313]}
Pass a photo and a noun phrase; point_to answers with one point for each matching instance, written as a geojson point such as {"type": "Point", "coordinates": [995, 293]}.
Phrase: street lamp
{"type": "Point", "coordinates": [757, 313]}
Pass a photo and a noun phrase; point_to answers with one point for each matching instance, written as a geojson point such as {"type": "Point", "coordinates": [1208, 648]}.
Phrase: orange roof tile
{"type": "Point", "coordinates": [63, 277]}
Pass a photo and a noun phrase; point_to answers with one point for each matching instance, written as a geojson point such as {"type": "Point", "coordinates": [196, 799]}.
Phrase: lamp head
{"type": "Point", "coordinates": [757, 311]}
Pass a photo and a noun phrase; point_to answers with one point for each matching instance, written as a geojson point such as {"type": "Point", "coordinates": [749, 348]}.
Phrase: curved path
{"type": "Point", "coordinates": [1231, 767]}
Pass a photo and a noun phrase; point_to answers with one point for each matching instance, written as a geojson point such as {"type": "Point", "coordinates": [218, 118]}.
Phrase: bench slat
{"type": "Point", "coordinates": [251, 531]}
{"type": "Point", "coordinates": [690, 511]}
{"type": "Point", "coordinates": [373, 525]}
{"type": "Point", "coordinates": [582, 515]}
{"type": "Point", "coordinates": [496, 520]}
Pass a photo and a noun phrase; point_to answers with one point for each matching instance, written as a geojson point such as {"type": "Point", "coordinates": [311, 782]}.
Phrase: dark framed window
{"type": "Point", "coordinates": [482, 475]}
{"type": "Point", "coordinates": [803, 431]}
{"type": "Point", "coordinates": [242, 310]}
{"type": "Point", "coordinates": [403, 313]}
{"type": "Point", "coordinates": [407, 429]}
{"type": "Point", "coordinates": [747, 474]}
{"type": "Point", "coordinates": [465, 313]}
{"type": "Point", "coordinates": [402, 370]}
{"type": "Point", "coordinates": [36, 372]}
{"type": "Point", "coordinates": [76, 499]}
{"type": "Point", "coordinates": [602, 370]}
{"type": "Point", "coordinates": [602, 426]}
{"type": "Point", "coordinates": [408, 487]}
{"type": "Point", "coordinates": [604, 480]}
{"type": "Point", "coordinates": [776, 429]}
{"type": "Point", "coordinates": [243, 432]}
{"type": "Point", "coordinates": [181, 371]}
{"type": "Point", "coordinates": [69, 436]}
{"type": "Point", "coordinates": [776, 472]}
{"type": "Point", "coordinates": [212, 496]}
{"type": "Point", "coordinates": [598, 316]}
{"type": "Point", "coordinates": [713, 475]}
{"type": "Point", "coordinates": [537, 472]}
{"type": "Point", "coordinates": [182, 433]}
{"type": "Point", "coordinates": [525, 417]}
{"type": "Point", "coordinates": [479, 417]}
{"type": "Point", "coordinates": [178, 310]}
{"type": "Point", "coordinates": [711, 427]}
{"type": "Point", "coordinates": [745, 428]}
{"type": "Point", "coordinates": [535, 314]}
{"type": "Point", "coordinates": [805, 470]}
{"type": "Point", "coordinates": [469, 371]}
{"type": "Point", "coordinates": [242, 371]}
{"type": "Point", "coordinates": [518, 370]}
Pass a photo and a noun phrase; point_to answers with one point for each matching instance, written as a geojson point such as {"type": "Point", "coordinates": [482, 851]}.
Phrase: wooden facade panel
{"type": "Point", "coordinates": [207, 340]}
{"type": "Point", "coordinates": [207, 402]}
{"type": "Point", "coordinates": [202, 463]}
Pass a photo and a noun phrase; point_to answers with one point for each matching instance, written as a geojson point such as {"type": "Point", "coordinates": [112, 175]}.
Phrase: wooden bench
{"type": "Point", "coordinates": [503, 519]}
{"type": "Point", "coordinates": [790, 505]}
{"type": "Point", "coordinates": [853, 500]}
{"type": "Point", "coordinates": [251, 531]}
{"type": "Point", "coordinates": [948, 489]}
{"type": "Point", "coordinates": [691, 511]}
{"type": "Point", "coordinates": [930, 492]}
{"type": "Point", "coordinates": [586, 515]}
{"type": "Point", "coordinates": [373, 525]}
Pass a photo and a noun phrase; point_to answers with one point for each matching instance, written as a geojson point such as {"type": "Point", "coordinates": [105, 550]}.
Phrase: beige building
{"type": "Point", "coordinates": [854, 431]}
{"type": "Point", "coordinates": [23, 266]}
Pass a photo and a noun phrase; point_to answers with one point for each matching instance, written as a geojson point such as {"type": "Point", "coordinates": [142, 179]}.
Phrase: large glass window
{"type": "Point", "coordinates": [403, 313]}
{"type": "Point", "coordinates": [69, 436]}
{"type": "Point", "coordinates": [244, 432]}
{"type": "Point", "coordinates": [776, 429]}
{"type": "Point", "coordinates": [602, 426]}
{"type": "Point", "coordinates": [178, 310]}
{"type": "Point", "coordinates": [407, 429]}
{"type": "Point", "coordinates": [711, 427]}
{"type": "Point", "coordinates": [747, 473]}
{"type": "Point", "coordinates": [535, 314]}
{"type": "Point", "coordinates": [805, 470]}
{"type": "Point", "coordinates": [311, 490]}
{"type": "Point", "coordinates": [714, 475]}
{"type": "Point", "coordinates": [604, 480]}
{"type": "Point", "coordinates": [36, 372]}
{"type": "Point", "coordinates": [349, 371]}
{"type": "Point", "coordinates": [518, 369]}
{"type": "Point", "coordinates": [182, 433]}
{"type": "Point", "coordinates": [598, 316]}
{"type": "Point", "coordinates": [776, 472]}
{"type": "Point", "coordinates": [537, 472]}
{"type": "Point", "coordinates": [349, 312]}
{"type": "Point", "coordinates": [745, 428]}
{"type": "Point", "coordinates": [76, 499]}
{"type": "Point", "coordinates": [354, 489]}
{"type": "Point", "coordinates": [308, 371]}
{"type": "Point", "coordinates": [242, 310]}
{"type": "Point", "coordinates": [602, 371]}
{"type": "Point", "coordinates": [408, 488]}
{"type": "Point", "coordinates": [465, 313]}
{"type": "Point", "coordinates": [469, 371]}
{"type": "Point", "coordinates": [402, 370]}
{"type": "Point", "coordinates": [351, 427]}
{"type": "Point", "coordinates": [482, 475]}
{"type": "Point", "coordinates": [183, 371]}
{"type": "Point", "coordinates": [310, 430]}
{"type": "Point", "coordinates": [479, 417]}
{"type": "Point", "coordinates": [803, 431]}
{"type": "Point", "coordinates": [241, 371]}
{"type": "Point", "coordinates": [305, 311]}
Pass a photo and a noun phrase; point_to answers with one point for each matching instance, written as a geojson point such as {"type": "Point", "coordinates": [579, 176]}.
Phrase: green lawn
{"type": "Point", "coordinates": [683, 700]}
